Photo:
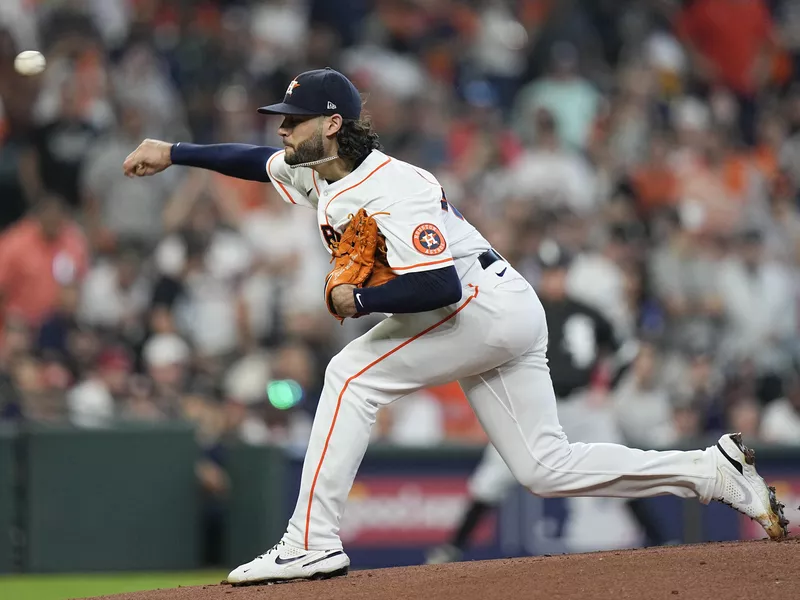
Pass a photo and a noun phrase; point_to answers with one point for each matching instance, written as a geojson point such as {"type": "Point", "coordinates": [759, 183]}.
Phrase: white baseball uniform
{"type": "Point", "coordinates": [493, 342]}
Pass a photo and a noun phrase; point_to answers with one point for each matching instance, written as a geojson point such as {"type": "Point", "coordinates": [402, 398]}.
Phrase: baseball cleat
{"type": "Point", "coordinates": [741, 487]}
{"type": "Point", "coordinates": [286, 563]}
{"type": "Point", "coordinates": [443, 554]}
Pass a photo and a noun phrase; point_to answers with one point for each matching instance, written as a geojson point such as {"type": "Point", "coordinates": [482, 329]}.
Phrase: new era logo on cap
{"type": "Point", "coordinates": [331, 105]}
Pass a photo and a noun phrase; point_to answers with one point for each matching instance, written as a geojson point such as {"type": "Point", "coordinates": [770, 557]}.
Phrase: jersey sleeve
{"type": "Point", "coordinates": [286, 181]}
{"type": "Point", "coordinates": [416, 239]}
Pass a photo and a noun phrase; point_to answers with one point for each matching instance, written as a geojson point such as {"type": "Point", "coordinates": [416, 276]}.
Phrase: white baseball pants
{"type": "Point", "coordinates": [494, 343]}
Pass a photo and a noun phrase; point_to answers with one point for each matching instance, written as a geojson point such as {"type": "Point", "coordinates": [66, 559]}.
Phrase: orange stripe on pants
{"type": "Point", "coordinates": [347, 383]}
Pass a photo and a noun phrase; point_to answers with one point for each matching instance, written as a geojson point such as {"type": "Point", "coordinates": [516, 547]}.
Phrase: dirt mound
{"type": "Point", "coordinates": [734, 570]}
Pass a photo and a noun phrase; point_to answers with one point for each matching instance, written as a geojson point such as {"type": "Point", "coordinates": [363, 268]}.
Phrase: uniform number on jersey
{"type": "Point", "coordinates": [447, 207]}
{"type": "Point", "coordinates": [580, 341]}
{"type": "Point", "coordinates": [330, 235]}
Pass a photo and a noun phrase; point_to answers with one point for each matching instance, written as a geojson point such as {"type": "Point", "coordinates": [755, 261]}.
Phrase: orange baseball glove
{"type": "Point", "coordinates": [359, 258]}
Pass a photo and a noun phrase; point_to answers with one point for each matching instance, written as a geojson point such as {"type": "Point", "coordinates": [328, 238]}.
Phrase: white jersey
{"type": "Point", "coordinates": [422, 230]}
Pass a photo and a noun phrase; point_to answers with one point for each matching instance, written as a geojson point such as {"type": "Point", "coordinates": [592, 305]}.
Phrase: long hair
{"type": "Point", "coordinates": [357, 138]}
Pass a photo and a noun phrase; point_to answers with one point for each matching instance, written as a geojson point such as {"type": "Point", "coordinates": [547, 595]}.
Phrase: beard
{"type": "Point", "coordinates": [307, 151]}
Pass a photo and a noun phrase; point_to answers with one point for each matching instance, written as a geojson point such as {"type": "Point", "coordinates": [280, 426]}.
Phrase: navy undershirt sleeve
{"type": "Point", "coordinates": [411, 293]}
{"type": "Point", "coordinates": [242, 161]}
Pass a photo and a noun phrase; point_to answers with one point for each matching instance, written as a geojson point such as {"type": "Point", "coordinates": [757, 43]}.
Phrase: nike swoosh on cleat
{"type": "Point", "coordinates": [501, 273]}
{"type": "Point", "coordinates": [737, 465]}
{"type": "Point", "coordinates": [286, 561]}
{"type": "Point", "coordinates": [332, 554]}
{"type": "Point", "coordinates": [308, 193]}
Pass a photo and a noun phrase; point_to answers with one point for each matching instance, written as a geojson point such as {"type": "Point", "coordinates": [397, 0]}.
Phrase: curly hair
{"type": "Point", "coordinates": [357, 138]}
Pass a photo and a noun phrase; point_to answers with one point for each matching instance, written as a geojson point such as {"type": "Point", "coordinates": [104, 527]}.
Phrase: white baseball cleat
{"type": "Point", "coordinates": [286, 563]}
{"type": "Point", "coordinates": [741, 487]}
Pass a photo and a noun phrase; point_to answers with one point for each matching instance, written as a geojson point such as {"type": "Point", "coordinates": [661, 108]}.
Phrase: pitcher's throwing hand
{"type": "Point", "coordinates": [151, 157]}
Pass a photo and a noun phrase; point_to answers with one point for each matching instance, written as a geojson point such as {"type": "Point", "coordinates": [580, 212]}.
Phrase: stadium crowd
{"type": "Point", "coordinates": [657, 142]}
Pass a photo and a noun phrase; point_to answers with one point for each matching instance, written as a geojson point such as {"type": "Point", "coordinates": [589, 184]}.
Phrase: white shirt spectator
{"type": "Point", "coordinates": [207, 314]}
{"type": "Point", "coordinates": [780, 422]}
{"type": "Point", "coordinates": [555, 179]}
{"type": "Point", "coordinates": [289, 235]}
{"type": "Point", "coordinates": [644, 415]}
{"type": "Point", "coordinates": [761, 312]}
{"type": "Point", "coordinates": [105, 303]}
{"type": "Point", "coordinates": [166, 349]}
{"type": "Point", "coordinates": [90, 404]}
{"type": "Point", "coordinates": [600, 283]}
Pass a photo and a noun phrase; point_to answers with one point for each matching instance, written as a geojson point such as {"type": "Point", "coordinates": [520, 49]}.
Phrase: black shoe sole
{"type": "Point", "coordinates": [316, 577]}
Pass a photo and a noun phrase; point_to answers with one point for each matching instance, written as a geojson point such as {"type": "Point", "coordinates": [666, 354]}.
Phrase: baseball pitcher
{"type": "Point", "coordinates": [458, 311]}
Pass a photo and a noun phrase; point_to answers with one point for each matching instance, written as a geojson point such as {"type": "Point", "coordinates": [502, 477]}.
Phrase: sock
{"type": "Point", "coordinates": [469, 522]}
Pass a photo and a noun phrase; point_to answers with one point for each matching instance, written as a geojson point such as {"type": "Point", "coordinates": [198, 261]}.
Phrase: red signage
{"type": "Point", "coordinates": [391, 511]}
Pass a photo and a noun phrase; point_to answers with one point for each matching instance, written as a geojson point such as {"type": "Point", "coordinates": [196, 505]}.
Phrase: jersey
{"type": "Point", "coordinates": [422, 230]}
{"type": "Point", "coordinates": [578, 336]}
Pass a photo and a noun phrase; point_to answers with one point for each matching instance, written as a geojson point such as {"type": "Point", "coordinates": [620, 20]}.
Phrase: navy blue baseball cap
{"type": "Point", "coordinates": [319, 92]}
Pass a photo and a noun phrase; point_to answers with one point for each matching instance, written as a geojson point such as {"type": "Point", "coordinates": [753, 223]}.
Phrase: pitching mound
{"type": "Point", "coordinates": [735, 570]}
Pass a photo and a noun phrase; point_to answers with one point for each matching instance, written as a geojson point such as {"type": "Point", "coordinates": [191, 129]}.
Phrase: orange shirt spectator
{"type": "Point", "coordinates": [654, 182]}
{"type": "Point", "coordinates": [731, 35]}
{"type": "Point", "coordinates": [38, 256]}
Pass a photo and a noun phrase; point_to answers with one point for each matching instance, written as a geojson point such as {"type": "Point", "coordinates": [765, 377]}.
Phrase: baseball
{"type": "Point", "coordinates": [29, 62]}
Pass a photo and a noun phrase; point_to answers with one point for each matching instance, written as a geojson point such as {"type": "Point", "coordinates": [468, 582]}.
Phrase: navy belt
{"type": "Point", "coordinates": [488, 258]}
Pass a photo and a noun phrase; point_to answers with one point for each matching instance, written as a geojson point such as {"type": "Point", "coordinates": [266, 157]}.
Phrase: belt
{"type": "Point", "coordinates": [488, 258]}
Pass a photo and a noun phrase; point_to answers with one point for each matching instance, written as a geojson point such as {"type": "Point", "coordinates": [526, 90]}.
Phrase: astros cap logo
{"type": "Point", "coordinates": [291, 87]}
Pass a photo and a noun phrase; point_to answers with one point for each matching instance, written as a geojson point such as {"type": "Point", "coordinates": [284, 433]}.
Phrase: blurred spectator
{"type": "Point", "coordinates": [203, 269]}
{"type": "Point", "coordinates": [95, 401]}
{"type": "Point", "coordinates": [598, 279]}
{"type": "Point", "coordinates": [759, 306]}
{"type": "Point", "coordinates": [782, 222]}
{"type": "Point", "coordinates": [57, 330]}
{"type": "Point", "coordinates": [642, 404]}
{"type": "Point", "coordinates": [683, 272]}
{"type": "Point", "coordinates": [572, 100]}
{"type": "Point", "coordinates": [59, 149]}
{"type": "Point", "coordinates": [38, 255]}
{"type": "Point", "coordinates": [654, 182]}
{"type": "Point", "coordinates": [551, 174]}
{"type": "Point", "coordinates": [116, 294]}
{"type": "Point", "coordinates": [781, 420]}
{"type": "Point", "coordinates": [731, 43]}
{"type": "Point", "coordinates": [141, 80]}
{"type": "Point", "coordinates": [698, 383]}
{"type": "Point", "coordinates": [480, 141]}
{"type": "Point", "coordinates": [265, 396]}
{"type": "Point", "coordinates": [115, 206]}
{"type": "Point", "coordinates": [167, 360]}
{"type": "Point", "coordinates": [744, 415]}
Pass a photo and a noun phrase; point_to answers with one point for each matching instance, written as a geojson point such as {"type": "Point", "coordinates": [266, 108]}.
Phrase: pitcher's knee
{"type": "Point", "coordinates": [340, 383]}
{"type": "Point", "coordinates": [336, 373]}
{"type": "Point", "coordinates": [544, 476]}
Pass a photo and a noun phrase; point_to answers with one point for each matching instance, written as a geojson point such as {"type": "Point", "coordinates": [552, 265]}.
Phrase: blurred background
{"type": "Point", "coordinates": [164, 339]}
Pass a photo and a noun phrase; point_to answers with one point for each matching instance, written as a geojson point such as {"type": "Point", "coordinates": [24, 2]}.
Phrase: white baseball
{"type": "Point", "coordinates": [30, 62]}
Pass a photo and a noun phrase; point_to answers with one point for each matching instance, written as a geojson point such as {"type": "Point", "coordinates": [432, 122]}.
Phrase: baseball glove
{"type": "Point", "coordinates": [359, 258]}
